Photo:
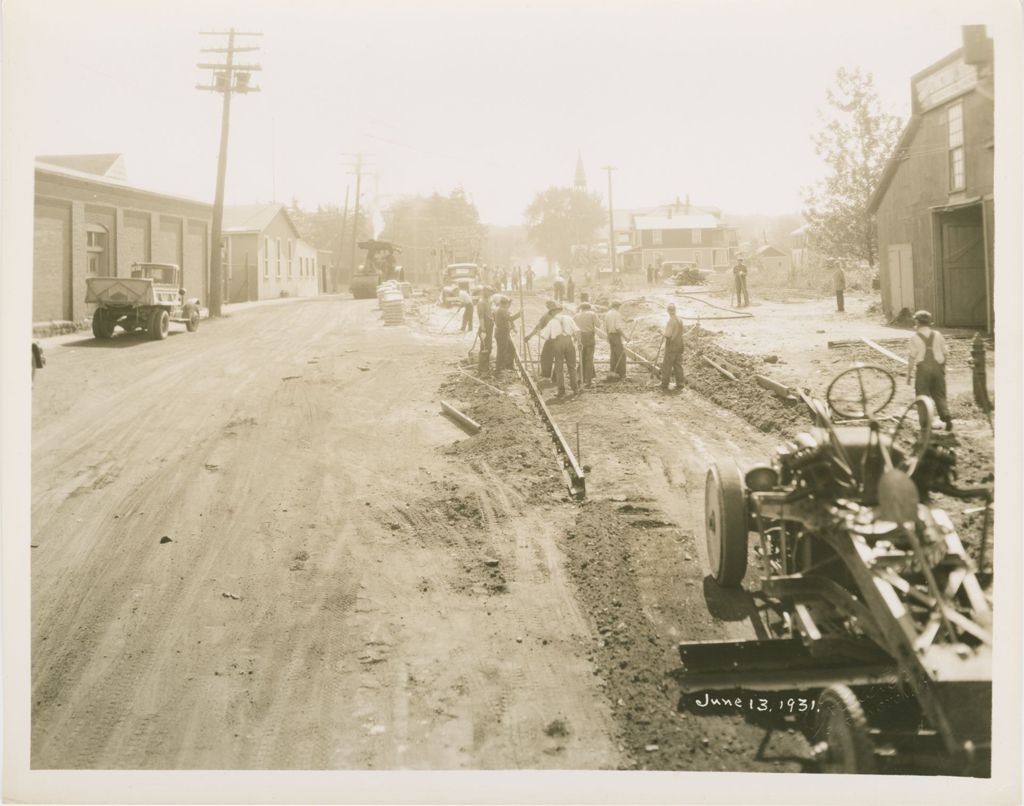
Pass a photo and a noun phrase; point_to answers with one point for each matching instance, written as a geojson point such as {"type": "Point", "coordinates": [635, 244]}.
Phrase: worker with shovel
{"type": "Point", "coordinates": [486, 330]}
{"type": "Point", "coordinates": [673, 363]}
{"type": "Point", "coordinates": [613, 327]}
{"type": "Point", "coordinates": [503, 326]}
{"type": "Point", "coordinates": [560, 332]}
{"type": "Point", "coordinates": [586, 321]}
{"type": "Point", "coordinates": [546, 351]}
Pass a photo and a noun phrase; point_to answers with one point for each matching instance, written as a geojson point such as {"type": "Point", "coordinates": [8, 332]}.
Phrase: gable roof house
{"type": "Point", "coordinates": [934, 203]}
{"type": "Point", "coordinates": [265, 255]}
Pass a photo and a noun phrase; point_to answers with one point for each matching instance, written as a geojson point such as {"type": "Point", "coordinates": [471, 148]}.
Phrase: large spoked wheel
{"type": "Point", "coordinates": [159, 324]}
{"type": "Point", "coordinates": [841, 739]}
{"type": "Point", "coordinates": [725, 524]}
{"type": "Point", "coordinates": [861, 391]}
{"type": "Point", "coordinates": [913, 433]}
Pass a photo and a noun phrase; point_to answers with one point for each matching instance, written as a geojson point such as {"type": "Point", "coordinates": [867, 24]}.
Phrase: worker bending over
{"type": "Point", "coordinates": [560, 331]}
{"type": "Point", "coordinates": [546, 354]}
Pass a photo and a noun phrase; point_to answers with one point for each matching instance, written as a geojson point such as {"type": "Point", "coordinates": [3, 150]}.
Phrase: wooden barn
{"type": "Point", "coordinates": [934, 203]}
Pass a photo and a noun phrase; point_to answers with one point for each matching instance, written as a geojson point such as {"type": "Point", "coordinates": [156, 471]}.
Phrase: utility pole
{"type": "Point", "coordinates": [228, 78]}
{"type": "Point", "coordinates": [357, 170]}
{"type": "Point", "coordinates": [611, 220]}
{"type": "Point", "coordinates": [341, 243]}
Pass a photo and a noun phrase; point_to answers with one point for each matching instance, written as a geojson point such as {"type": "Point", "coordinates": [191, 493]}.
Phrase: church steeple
{"type": "Point", "coordinates": [580, 182]}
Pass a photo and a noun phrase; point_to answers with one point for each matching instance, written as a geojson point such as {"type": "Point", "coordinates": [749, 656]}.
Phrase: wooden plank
{"type": "Point", "coordinates": [466, 423]}
{"type": "Point", "coordinates": [781, 390]}
{"type": "Point", "coordinates": [874, 345]}
{"type": "Point", "coordinates": [720, 368]}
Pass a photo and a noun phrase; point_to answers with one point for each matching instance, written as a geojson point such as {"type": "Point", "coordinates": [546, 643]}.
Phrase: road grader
{"type": "Point", "coordinates": [868, 599]}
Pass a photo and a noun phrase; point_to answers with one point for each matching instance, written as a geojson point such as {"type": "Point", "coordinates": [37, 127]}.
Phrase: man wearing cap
{"type": "Point", "coordinates": [927, 365]}
{"type": "Point", "coordinates": [559, 333]}
{"type": "Point", "coordinates": [467, 310]}
{"type": "Point", "coordinates": [613, 327]}
{"type": "Point", "coordinates": [503, 326]}
{"type": "Point", "coordinates": [739, 273]}
{"type": "Point", "coordinates": [586, 321]}
{"type": "Point", "coordinates": [546, 354]}
{"type": "Point", "coordinates": [486, 329]}
{"type": "Point", "coordinates": [838, 284]}
{"type": "Point", "coordinates": [673, 363]}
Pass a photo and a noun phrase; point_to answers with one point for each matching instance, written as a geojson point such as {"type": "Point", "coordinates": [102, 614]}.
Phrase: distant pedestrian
{"type": "Point", "coordinates": [673, 363]}
{"type": "Point", "coordinates": [486, 330]}
{"type": "Point", "coordinates": [650, 274]}
{"type": "Point", "coordinates": [517, 278]}
{"type": "Point", "coordinates": [839, 286]}
{"type": "Point", "coordinates": [530, 274]}
{"type": "Point", "coordinates": [570, 289]}
{"type": "Point", "coordinates": [586, 321]}
{"type": "Point", "coordinates": [546, 355]}
{"type": "Point", "coordinates": [559, 287]}
{"type": "Point", "coordinates": [613, 328]}
{"type": "Point", "coordinates": [467, 310]}
{"type": "Point", "coordinates": [560, 331]}
{"type": "Point", "coordinates": [739, 273]}
{"type": "Point", "coordinates": [503, 327]}
{"type": "Point", "coordinates": [927, 365]}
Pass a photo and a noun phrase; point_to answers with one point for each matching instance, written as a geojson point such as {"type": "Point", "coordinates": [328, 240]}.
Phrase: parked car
{"type": "Point", "coordinates": [457, 277]}
{"type": "Point", "coordinates": [150, 300]}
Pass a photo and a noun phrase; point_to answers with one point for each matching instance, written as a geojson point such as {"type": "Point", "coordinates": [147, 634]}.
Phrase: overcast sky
{"type": "Point", "coordinates": [714, 99]}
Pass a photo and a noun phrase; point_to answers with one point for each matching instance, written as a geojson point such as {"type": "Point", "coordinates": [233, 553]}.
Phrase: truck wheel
{"type": "Point", "coordinates": [841, 736]}
{"type": "Point", "coordinates": [192, 315]}
{"type": "Point", "coordinates": [725, 524]}
{"type": "Point", "coordinates": [159, 324]}
{"type": "Point", "coordinates": [101, 327]}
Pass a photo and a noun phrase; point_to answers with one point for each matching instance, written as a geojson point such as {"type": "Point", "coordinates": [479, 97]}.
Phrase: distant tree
{"type": "Point", "coordinates": [856, 140]}
{"type": "Point", "coordinates": [559, 218]}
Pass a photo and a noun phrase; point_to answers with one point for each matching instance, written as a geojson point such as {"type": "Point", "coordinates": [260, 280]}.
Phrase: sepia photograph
{"type": "Point", "coordinates": [485, 402]}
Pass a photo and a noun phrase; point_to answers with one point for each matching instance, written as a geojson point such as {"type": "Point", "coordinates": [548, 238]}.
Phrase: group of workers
{"type": "Point", "coordinates": [566, 336]}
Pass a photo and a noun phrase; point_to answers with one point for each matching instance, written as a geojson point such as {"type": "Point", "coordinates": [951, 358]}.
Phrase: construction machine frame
{"type": "Point", "coordinates": [865, 584]}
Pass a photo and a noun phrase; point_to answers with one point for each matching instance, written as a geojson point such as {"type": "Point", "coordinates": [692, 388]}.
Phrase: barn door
{"type": "Point", "coordinates": [901, 278]}
{"type": "Point", "coordinates": [963, 267]}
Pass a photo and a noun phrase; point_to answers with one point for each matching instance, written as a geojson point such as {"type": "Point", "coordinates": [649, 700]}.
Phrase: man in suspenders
{"type": "Point", "coordinates": [927, 364]}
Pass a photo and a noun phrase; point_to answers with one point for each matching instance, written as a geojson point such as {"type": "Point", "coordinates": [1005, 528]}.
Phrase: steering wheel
{"type": "Point", "coordinates": [860, 391]}
{"type": "Point", "coordinates": [913, 432]}
{"type": "Point", "coordinates": [840, 459]}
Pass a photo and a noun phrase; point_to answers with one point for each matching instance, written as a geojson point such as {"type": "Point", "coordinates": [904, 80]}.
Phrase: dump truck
{"type": "Point", "coordinates": [149, 300]}
{"type": "Point", "coordinates": [378, 267]}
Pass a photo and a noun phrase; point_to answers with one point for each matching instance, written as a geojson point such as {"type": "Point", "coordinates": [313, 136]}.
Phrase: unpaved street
{"type": "Point", "coordinates": [253, 549]}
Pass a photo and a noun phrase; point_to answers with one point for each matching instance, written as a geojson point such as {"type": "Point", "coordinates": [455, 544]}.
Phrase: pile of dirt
{"type": "Point", "coordinates": [605, 557]}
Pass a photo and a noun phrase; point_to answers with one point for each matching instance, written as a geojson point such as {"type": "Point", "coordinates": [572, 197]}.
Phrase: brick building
{"type": "Point", "coordinates": [265, 255]}
{"type": "Point", "coordinates": [90, 222]}
{"type": "Point", "coordinates": [934, 203]}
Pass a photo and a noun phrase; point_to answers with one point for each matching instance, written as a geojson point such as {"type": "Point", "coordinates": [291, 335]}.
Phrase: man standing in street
{"type": "Point", "coordinates": [650, 274]}
{"type": "Point", "coordinates": [739, 273]}
{"type": "Point", "coordinates": [673, 363]}
{"type": "Point", "coordinates": [559, 332]}
{"type": "Point", "coordinates": [529, 278]}
{"type": "Point", "coordinates": [546, 354]}
{"type": "Point", "coordinates": [586, 321]}
{"type": "Point", "coordinates": [467, 310]}
{"type": "Point", "coordinates": [838, 285]}
{"type": "Point", "coordinates": [517, 278]}
{"type": "Point", "coordinates": [613, 327]}
{"type": "Point", "coordinates": [503, 327]}
{"type": "Point", "coordinates": [570, 289]}
{"type": "Point", "coordinates": [486, 331]}
{"type": "Point", "coordinates": [927, 365]}
{"type": "Point", "coordinates": [559, 286]}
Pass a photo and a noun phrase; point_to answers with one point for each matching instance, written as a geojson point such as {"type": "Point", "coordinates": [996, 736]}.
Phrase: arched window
{"type": "Point", "coordinates": [96, 249]}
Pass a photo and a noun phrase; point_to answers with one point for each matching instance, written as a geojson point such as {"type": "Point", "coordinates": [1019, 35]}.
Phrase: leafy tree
{"type": "Point", "coordinates": [856, 140]}
{"type": "Point", "coordinates": [559, 218]}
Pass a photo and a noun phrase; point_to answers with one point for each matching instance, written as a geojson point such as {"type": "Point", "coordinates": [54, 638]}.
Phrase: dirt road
{"type": "Point", "coordinates": [255, 547]}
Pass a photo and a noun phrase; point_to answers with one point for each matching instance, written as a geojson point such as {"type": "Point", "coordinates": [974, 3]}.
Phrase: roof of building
{"type": "Point", "coordinates": [900, 153]}
{"type": "Point", "coordinates": [110, 182]}
{"type": "Point", "coordinates": [239, 218]}
{"type": "Point", "coordinates": [662, 222]}
{"type": "Point", "coordinates": [769, 251]}
{"type": "Point", "coordinates": [108, 165]}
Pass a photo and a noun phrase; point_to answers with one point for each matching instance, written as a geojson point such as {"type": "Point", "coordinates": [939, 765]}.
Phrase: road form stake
{"type": "Point", "coordinates": [466, 423]}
